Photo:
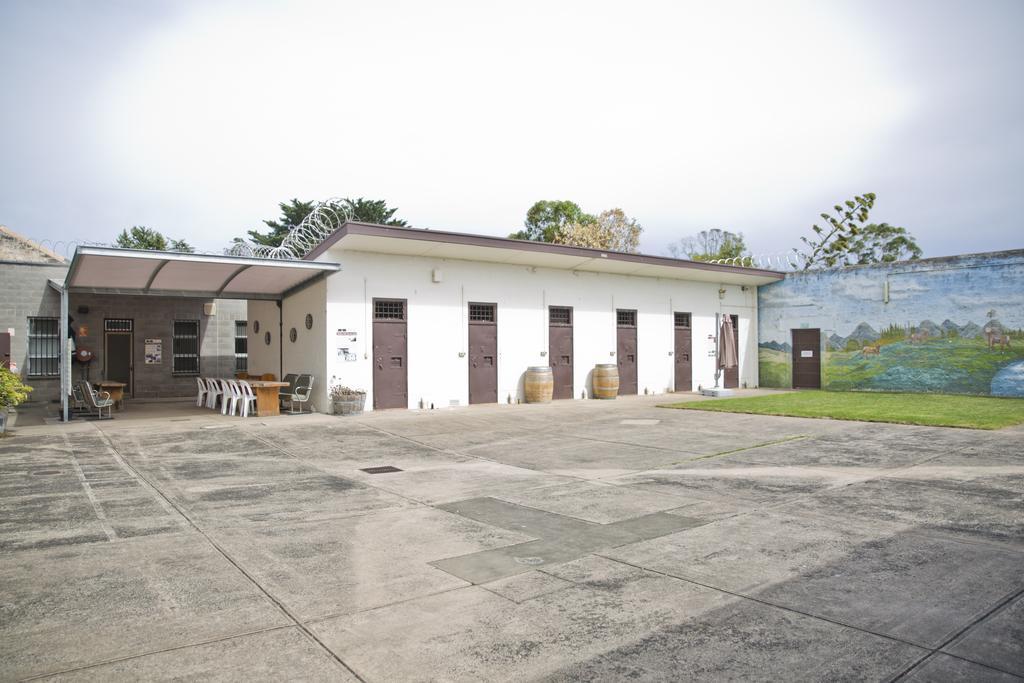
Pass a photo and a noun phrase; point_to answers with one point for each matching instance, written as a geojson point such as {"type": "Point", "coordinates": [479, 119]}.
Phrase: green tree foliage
{"type": "Point", "coordinates": [546, 219]}
{"type": "Point", "coordinates": [710, 245]}
{"type": "Point", "coordinates": [612, 230]}
{"type": "Point", "coordinates": [848, 239]}
{"type": "Point", "coordinates": [12, 391]}
{"type": "Point", "coordinates": [830, 246]}
{"type": "Point", "coordinates": [884, 243]}
{"type": "Point", "coordinates": [294, 212]}
{"type": "Point", "coordinates": [141, 237]}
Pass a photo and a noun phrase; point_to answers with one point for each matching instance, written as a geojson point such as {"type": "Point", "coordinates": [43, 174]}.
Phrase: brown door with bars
{"type": "Point", "coordinates": [560, 349]}
{"type": "Point", "coordinates": [807, 359]}
{"type": "Point", "coordinates": [732, 375]}
{"type": "Point", "coordinates": [684, 352]}
{"type": "Point", "coordinates": [483, 353]}
{"type": "Point", "coordinates": [5, 350]}
{"type": "Point", "coordinates": [626, 352]}
{"type": "Point", "coordinates": [390, 354]}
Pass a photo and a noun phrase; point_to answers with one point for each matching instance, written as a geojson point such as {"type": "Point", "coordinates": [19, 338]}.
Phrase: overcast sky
{"type": "Point", "coordinates": [198, 118]}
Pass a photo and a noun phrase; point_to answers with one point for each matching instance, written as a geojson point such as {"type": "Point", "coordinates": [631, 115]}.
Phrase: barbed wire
{"type": "Point", "coordinates": [322, 221]}
{"type": "Point", "coordinates": [784, 261]}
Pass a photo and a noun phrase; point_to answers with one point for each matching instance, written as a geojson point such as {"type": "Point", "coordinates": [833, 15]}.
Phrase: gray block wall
{"type": "Point", "coordinates": [24, 293]}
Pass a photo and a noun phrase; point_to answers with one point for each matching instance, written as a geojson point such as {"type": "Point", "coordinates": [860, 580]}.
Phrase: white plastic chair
{"type": "Point", "coordinates": [231, 396]}
{"type": "Point", "coordinates": [248, 398]}
{"type": "Point", "coordinates": [212, 392]}
{"type": "Point", "coordinates": [201, 396]}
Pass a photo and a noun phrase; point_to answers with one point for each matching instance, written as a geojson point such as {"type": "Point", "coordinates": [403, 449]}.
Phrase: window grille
{"type": "Point", "coordinates": [43, 347]}
{"type": "Point", "coordinates": [241, 346]}
{"type": "Point", "coordinates": [560, 315]}
{"type": "Point", "coordinates": [682, 319]}
{"type": "Point", "coordinates": [625, 318]}
{"type": "Point", "coordinates": [117, 325]}
{"type": "Point", "coordinates": [388, 309]}
{"type": "Point", "coordinates": [482, 313]}
{"type": "Point", "coordinates": [185, 347]}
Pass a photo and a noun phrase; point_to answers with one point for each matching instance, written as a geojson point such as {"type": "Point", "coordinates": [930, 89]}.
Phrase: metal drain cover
{"type": "Point", "coordinates": [383, 469]}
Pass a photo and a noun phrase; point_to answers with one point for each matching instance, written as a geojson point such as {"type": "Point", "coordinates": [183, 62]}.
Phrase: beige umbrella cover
{"type": "Point", "coordinates": [727, 344]}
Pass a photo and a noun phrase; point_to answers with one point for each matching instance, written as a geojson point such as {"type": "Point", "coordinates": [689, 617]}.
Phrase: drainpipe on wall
{"type": "Point", "coordinates": [65, 354]}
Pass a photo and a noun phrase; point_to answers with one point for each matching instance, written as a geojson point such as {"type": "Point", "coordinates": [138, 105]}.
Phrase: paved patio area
{"type": "Point", "coordinates": [580, 540]}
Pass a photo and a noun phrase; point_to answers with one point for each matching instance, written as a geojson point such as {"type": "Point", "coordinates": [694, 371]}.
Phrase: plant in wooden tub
{"type": "Point", "coordinates": [12, 392]}
{"type": "Point", "coordinates": [346, 400]}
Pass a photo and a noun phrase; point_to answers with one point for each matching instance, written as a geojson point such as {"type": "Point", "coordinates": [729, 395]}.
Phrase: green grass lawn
{"type": "Point", "coordinates": [936, 410]}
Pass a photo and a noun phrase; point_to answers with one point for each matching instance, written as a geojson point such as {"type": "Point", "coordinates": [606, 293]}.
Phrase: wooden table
{"type": "Point", "coordinates": [267, 397]}
{"type": "Point", "coordinates": [115, 389]}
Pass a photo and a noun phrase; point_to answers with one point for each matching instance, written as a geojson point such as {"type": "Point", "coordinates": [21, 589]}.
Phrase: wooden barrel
{"type": "Point", "coordinates": [606, 381]}
{"type": "Point", "coordinates": [539, 384]}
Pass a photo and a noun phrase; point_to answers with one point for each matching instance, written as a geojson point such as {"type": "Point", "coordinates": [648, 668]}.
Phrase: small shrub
{"type": "Point", "coordinates": [12, 390]}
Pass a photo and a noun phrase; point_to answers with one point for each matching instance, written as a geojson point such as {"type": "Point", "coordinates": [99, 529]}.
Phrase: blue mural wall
{"type": "Point", "coordinates": [951, 325]}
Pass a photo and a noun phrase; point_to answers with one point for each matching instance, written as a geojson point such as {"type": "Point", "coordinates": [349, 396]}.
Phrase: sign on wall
{"type": "Point", "coordinates": [154, 351]}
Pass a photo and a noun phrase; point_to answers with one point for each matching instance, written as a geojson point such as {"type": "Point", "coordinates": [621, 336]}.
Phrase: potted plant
{"type": "Point", "coordinates": [12, 392]}
{"type": "Point", "coordinates": [347, 401]}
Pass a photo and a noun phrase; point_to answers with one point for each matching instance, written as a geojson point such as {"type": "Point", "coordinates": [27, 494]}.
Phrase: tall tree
{"type": "Point", "coordinates": [547, 218]}
{"type": "Point", "coordinates": [709, 245]}
{"type": "Point", "coordinates": [141, 237]}
{"type": "Point", "coordinates": [294, 212]}
{"type": "Point", "coordinates": [612, 230]}
{"type": "Point", "coordinates": [830, 246]}
{"type": "Point", "coordinates": [884, 243]}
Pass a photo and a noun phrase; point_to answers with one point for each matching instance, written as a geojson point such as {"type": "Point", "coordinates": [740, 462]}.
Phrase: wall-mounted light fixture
{"type": "Point", "coordinates": [885, 292]}
{"type": "Point", "coordinates": [721, 292]}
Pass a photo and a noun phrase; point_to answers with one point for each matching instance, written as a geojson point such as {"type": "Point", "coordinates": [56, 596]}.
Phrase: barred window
{"type": "Point", "coordinates": [625, 318]}
{"type": "Point", "coordinates": [43, 347]}
{"type": "Point", "coordinates": [388, 309]}
{"type": "Point", "coordinates": [117, 325]}
{"type": "Point", "coordinates": [482, 313]}
{"type": "Point", "coordinates": [185, 347]}
{"type": "Point", "coordinates": [560, 315]}
{"type": "Point", "coordinates": [682, 319]}
{"type": "Point", "coordinates": [241, 346]}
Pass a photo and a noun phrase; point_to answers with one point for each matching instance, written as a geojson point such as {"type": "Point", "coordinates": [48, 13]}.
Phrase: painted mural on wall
{"type": "Point", "coordinates": [952, 325]}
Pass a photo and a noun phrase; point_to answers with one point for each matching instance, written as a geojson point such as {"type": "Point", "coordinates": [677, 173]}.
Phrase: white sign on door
{"type": "Point", "coordinates": [807, 354]}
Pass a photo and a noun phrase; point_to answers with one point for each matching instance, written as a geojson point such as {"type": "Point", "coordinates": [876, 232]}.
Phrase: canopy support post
{"type": "Point", "coordinates": [65, 354]}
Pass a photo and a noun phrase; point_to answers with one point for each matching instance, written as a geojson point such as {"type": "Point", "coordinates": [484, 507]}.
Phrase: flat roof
{"type": "Point", "coordinates": [107, 270]}
{"type": "Point", "coordinates": [388, 239]}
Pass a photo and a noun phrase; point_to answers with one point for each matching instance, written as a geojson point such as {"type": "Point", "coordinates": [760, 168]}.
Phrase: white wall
{"type": "Point", "coordinates": [308, 353]}
{"type": "Point", "coordinates": [438, 329]}
{"type": "Point", "coordinates": [263, 357]}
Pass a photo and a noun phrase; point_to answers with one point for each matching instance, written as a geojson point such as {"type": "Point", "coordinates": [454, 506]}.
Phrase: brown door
{"type": "Point", "coordinates": [5, 350]}
{"type": "Point", "coordinates": [684, 352]}
{"type": "Point", "coordinates": [626, 353]}
{"type": "Point", "coordinates": [807, 359]}
{"type": "Point", "coordinates": [483, 353]}
{"type": "Point", "coordinates": [117, 358]}
{"type": "Point", "coordinates": [390, 354]}
{"type": "Point", "coordinates": [732, 375]}
{"type": "Point", "coordinates": [560, 349]}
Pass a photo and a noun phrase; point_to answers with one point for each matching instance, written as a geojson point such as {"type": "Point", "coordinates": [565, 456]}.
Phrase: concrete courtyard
{"type": "Point", "coordinates": [579, 540]}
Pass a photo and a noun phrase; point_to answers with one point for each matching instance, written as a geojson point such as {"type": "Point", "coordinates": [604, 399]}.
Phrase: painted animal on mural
{"type": "Point", "coordinates": [1002, 339]}
{"type": "Point", "coordinates": [918, 337]}
{"type": "Point", "coordinates": [869, 350]}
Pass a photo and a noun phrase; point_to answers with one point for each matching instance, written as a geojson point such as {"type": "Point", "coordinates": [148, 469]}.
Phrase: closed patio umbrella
{"type": "Point", "coordinates": [727, 344]}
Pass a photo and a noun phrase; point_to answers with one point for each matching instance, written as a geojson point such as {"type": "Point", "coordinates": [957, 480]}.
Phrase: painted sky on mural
{"type": "Point", "coordinates": [197, 118]}
{"type": "Point", "coordinates": [961, 295]}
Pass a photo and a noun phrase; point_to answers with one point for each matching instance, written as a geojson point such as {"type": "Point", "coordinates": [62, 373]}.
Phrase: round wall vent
{"type": "Point", "coordinates": [293, 335]}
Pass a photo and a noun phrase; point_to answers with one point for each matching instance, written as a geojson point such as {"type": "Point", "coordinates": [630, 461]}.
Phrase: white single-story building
{"type": "Point", "coordinates": [424, 318]}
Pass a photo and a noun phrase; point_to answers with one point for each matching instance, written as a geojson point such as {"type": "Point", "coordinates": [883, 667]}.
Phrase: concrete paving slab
{"type": "Point", "coordinates": [70, 607]}
{"type": "Point", "coordinates": [997, 641]}
{"type": "Point", "coordinates": [975, 512]}
{"type": "Point", "coordinates": [746, 641]}
{"type": "Point", "coordinates": [600, 503]}
{"type": "Point", "coordinates": [356, 563]}
{"type": "Point", "coordinates": [280, 654]}
{"type": "Point", "coordinates": [473, 634]}
{"type": "Point", "coordinates": [940, 667]}
{"type": "Point", "coordinates": [527, 586]}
